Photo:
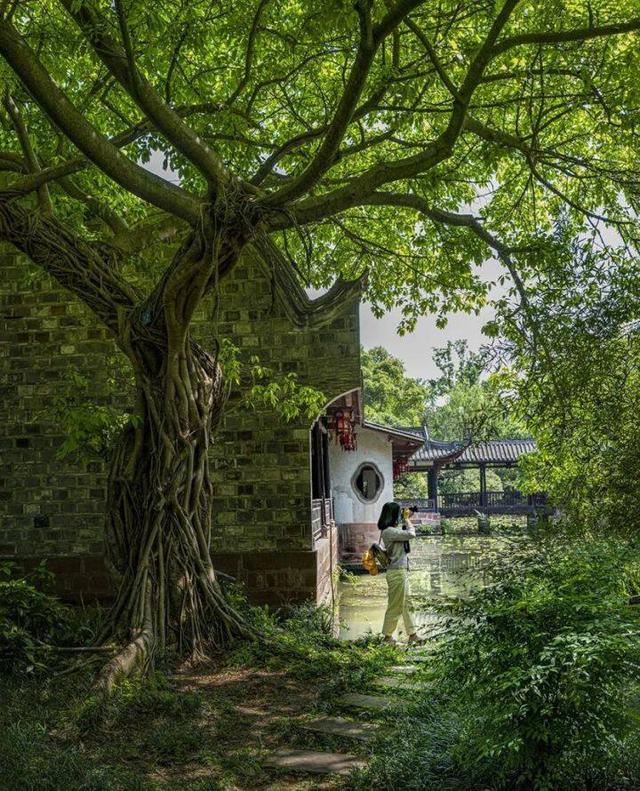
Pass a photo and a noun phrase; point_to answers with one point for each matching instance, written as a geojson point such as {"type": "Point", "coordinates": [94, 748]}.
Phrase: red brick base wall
{"type": "Point", "coordinates": [355, 538]}
{"type": "Point", "coordinates": [76, 579]}
{"type": "Point", "coordinates": [273, 578]}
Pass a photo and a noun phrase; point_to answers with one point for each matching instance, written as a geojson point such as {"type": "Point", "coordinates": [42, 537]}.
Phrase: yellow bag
{"type": "Point", "coordinates": [369, 562]}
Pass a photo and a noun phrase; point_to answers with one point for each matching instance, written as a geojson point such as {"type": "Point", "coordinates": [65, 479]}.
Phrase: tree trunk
{"type": "Point", "coordinates": [160, 511]}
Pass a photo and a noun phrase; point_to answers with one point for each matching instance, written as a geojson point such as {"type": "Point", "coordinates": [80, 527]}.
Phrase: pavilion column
{"type": "Point", "coordinates": [432, 486]}
{"type": "Point", "coordinates": [483, 485]}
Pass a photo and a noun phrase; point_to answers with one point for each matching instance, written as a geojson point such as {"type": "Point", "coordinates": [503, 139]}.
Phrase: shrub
{"type": "Point", "coordinates": [29, 620]}
{"type": "Point", "coordinates": [543, 658]}
{"type": "Point", "coordinates": [531, 679]}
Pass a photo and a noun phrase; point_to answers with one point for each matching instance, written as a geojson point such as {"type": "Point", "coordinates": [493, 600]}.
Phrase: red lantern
{"type": "Point", "coordinates": [344, 426]}
{"type": "Point", "coordinates": [349, 440]}
{"type": "Point", "coordinates": [400, 467]}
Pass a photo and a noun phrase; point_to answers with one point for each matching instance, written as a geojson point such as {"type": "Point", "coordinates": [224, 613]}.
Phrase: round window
{"type": "Point", "coordinates": [368, 482]}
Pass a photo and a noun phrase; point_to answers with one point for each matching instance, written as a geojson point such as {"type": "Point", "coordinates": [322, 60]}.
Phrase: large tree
{"type": "Point", "coordinates": [353, 134]}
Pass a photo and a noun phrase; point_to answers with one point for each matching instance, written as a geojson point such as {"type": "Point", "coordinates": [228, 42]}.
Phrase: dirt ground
{"type": "Point", "coordinates": [206, 730]}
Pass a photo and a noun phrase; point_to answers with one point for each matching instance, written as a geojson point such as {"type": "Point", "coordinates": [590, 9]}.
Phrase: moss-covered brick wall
{"type": "Point", "coordinates": [52, 508]}
{"type": "Point", "coordinates": [48, 507]}
{"type": "Point", "coordinates": [261, 463]}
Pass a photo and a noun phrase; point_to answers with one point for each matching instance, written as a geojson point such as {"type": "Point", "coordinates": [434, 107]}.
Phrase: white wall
{"type": "Point", "coordinates": [373, 446]}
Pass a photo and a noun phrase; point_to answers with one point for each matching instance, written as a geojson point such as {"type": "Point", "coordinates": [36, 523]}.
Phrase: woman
{"type": "Point", "coordinates": [397, 532]}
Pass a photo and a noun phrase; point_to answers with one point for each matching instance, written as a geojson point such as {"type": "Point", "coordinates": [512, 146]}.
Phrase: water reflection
{"type": "Point", "coordinates": [438, 566]}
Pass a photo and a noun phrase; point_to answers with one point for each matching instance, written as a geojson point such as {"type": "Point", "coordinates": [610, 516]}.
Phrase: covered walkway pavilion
{"type": "Point", "coordinates": [433, 457]}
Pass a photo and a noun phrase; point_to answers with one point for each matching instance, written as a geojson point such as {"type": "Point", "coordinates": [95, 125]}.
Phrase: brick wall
{"type": "Point", "coordinates": [48, 507]}
{"type": "Point", "coordinates": [55, 509]}
{"type": "Point", "coordinates": [262, 464]}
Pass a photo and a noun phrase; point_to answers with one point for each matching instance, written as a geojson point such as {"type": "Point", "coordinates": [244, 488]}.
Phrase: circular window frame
{"type": "Point", "coordinates": [357, 491]}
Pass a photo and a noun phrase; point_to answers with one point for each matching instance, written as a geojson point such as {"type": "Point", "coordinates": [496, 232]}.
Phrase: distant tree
{"type": "Point", "coordinates": [462, 403]}
{"type": "Point", "coordinates": [467, 402]}
{"type": "Point", "coordinates": [390, 396]}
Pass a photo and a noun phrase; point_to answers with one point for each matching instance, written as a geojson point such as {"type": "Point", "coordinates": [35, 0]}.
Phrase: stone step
{"type": "Point", "coordinates": [339, 726]}
{"type": "Point", "coordinates": [371, 702]}
{"type": "Point", "coordinates": [417, 658]}
{"type": "Point", "coordinates": [399, 682]}
{"type": "Point", "coordinates": [311, 762]}
{"type": "Point", "coordinates": [404, 670]}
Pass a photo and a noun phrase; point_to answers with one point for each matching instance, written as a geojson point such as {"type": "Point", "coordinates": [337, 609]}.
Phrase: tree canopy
{"type": "Point", "coordinates": [462, 402]}
{"type": "Point", "coordinates": [356, 134]}
{"type": "Point", "coordinates": [465, 401]}
{"type": "Point", "coordinates": [582, 403]}
{"type": "Point", "coordinates": [390, 396]}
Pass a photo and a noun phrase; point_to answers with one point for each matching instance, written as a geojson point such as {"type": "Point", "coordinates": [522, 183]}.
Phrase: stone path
{"type": "Point", "coordinates": [317, 763]}
{"type": "Point", "coordinates": [327, 763]}
{"type": "Point", "coordinates": [375, 703]}
{"type": "Point", "coordinates": [405, 670]}
{"type": "Point", "coordinates": [339, 726]}
{"type": "Point", "coordinates": [399, 682]}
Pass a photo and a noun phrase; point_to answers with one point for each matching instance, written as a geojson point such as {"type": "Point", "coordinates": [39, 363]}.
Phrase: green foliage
{"type": "Point", "coordinates": [52, 736]}
{"type": "Point", "coordinates": [579, 389]}
{"type": "Point", "coordinates": [544, 658]}
{"type": "Point", "coordinates": [85, 417]}
{"type": "Point", "coordinates": [264, 388]}
{"type": "Point", "coordinates": [461, 403]}
{"type": "Point", "coordinates": [92, 430]}
{"type": "Point", "coordinates": [391, 397]}
{"type": "Point", "coordinates": [530, 680]}
{"type": "Point", "coordinates": [302, 640]}
{"type": "Point", "coordinates": [29, 762]}
{"type": "Point", "coordinates": [465, 402]}
{"type": "Point", "coordinates": [29, 620]}
{"type": "Point", "coordinates": [153, 700]}
{"type": "Point", "coordinates": [410, 486]}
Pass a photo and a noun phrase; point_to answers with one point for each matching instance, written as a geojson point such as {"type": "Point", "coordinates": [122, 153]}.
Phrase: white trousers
{"type": "Point", "coordinates": [398, 602]}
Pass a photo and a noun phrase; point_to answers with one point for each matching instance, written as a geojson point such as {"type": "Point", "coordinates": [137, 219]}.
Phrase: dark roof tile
{"type": "Point", "coordinates": [496, 451]}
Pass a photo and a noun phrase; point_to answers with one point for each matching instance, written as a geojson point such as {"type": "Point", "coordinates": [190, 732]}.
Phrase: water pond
{"type": "Point", "coordinates": [439, 566]}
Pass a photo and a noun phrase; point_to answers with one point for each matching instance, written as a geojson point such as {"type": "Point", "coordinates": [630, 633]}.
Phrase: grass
{"type": "Point", "coordinates": [206, 729]}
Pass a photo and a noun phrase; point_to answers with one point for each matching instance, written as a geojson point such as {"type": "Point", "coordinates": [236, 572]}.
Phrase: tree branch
{"type": "Point", "coordinates": [503, 251]}
{"type": "Point", "coordinates": [317, 208]}
{"type": "Point", "coordinates": [35, 181]}
{"type": "Point", "coordinates": [433, 57]}
{"type": "Point", "coordinates": [369, 42]}
{"type": "Point", "coordinates": [419, 204]}
{"type": "Point", "coordinates": [120, 61]}
{"type": "Point", "coordinates": [305, 137]}
{"type": "Point", "coordinates": [85, 269]}
{"type": "Point", "coordinates": [565, 36]}
{"type": "Point", "coordinates": [102, 210]}
{"type": "Point", "coordinates": [135, 179]}
{"type": "Point", "coordinates": [33, 165]}
{"type": "Point", "coordinates": [248, 60]}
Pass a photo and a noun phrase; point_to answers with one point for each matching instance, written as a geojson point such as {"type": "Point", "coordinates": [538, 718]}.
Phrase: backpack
{"type": "Point", "coordinates": [375, 559]}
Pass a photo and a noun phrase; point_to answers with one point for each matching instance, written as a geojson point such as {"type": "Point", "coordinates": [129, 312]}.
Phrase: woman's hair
{"type": "Point", "coordinates": [390, 515]}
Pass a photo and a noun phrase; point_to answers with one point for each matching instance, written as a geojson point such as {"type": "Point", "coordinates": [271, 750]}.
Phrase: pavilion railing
{"type": "Point", "coordinates": [490, 501]}
{"type": "Point", "coordinates": [421, 503]}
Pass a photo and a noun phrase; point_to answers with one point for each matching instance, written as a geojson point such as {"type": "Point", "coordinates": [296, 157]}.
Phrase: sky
{"type": "Point", "coordinates": [415, 349]}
